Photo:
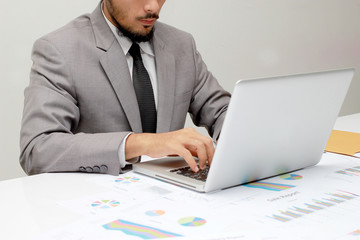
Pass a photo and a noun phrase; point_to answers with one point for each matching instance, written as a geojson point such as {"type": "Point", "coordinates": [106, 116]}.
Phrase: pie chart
{"type": "Point", "coordinates": [127, 180]}
{"type": "Point", "coordinates": [105, 204]}
{"type": "Point", "coordinates": [291, 177]}
{"type": "Point", "coordinates": [155, 213]}
{"type": "Point", "coordinates": [192, 221]}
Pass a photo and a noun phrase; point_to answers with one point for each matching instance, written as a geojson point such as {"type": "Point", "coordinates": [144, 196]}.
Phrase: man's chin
{"type": "Point", "coordinates": [144, 36]}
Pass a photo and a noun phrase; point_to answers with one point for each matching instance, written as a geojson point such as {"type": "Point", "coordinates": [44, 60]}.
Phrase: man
{"type": "Point", "coordinates": [84, 110]}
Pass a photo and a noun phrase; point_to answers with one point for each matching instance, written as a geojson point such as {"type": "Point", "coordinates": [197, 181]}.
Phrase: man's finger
{"type": "Point", "coordinates": [189, 159]}
{"type": "Point", "coordinates": [201, 150]}
{"type": "Point", "coordinates": [209, 148]}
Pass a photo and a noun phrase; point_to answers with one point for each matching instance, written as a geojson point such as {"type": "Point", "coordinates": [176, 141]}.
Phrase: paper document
{"type": "Point", "coordinates": [319, 202]}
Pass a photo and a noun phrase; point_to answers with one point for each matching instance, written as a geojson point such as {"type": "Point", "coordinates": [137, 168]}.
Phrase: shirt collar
{"type": "Point", "coordinates": [125, 42]}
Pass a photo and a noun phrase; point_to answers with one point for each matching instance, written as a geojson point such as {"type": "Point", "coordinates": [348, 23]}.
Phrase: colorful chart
{"type": "Point", "coordinates": [105, 204]}
{"type": "Point", "coordinates": [138, 230]}
{"type": "Point", "coordinates": [355, 233]}
{"type": "Point", "coordinates": [192, 221]}
{"type": "Point", "coordinates": [155, 213]}
{"type": "Point", "coordinates": [127, 180]}
{"type": "Point", "coordinates": [291, 177]}
{"type": "Point", "coordinates": [269, 186]}
{"type": "Point", "coordinates": [354, 171]}
{"type": "Point", "coordinates": [314, 206]}
{"type": "Point", "coordinates": [280, 218]}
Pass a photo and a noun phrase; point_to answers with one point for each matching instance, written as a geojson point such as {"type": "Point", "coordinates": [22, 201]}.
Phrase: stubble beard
{"type": "Point", "coordinates": [136, 37]}
{"type": "Point", "coordinates": [133, 35]}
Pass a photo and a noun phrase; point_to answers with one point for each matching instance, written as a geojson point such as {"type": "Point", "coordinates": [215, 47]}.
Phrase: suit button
{"type": "Point", "coordinates": [89, 169]}
{"type": "Point", "coordinates": [96, 169]}
{"type": "Point", "coordinates": [103, 169]}
{"type": "Point", "coordinates": [82, 169]}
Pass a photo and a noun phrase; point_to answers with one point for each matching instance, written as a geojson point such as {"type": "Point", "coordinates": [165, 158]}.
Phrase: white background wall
{"type": "Point", "coordinates": [238, 39]}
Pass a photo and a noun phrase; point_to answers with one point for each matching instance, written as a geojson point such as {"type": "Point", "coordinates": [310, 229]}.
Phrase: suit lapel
{"type": "Point", "coordinates": [116, 68]}
{"type": "Point", "coordinates": [165, 69]}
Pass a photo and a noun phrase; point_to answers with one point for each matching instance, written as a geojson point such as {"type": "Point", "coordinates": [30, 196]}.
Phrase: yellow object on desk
{"type": "Point", "coordinates": [342, 142]}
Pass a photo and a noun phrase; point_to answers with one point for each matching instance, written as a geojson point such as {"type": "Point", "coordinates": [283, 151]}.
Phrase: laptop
{"type": "Point", "coordinates": [272, 126]}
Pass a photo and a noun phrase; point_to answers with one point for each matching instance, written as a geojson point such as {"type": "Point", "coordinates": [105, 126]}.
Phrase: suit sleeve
{"type": "Point", "coordinates": [209, 101]}
{"type": "Point", "coordinates": [50, 116]}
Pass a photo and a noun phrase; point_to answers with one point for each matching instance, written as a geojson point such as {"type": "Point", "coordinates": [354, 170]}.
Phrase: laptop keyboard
{"type": "Point", "coordinates": [187, 172]}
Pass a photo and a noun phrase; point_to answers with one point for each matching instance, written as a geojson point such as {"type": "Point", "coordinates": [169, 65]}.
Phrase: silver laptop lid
{"type": "Point", "coordinates": [276, 125]}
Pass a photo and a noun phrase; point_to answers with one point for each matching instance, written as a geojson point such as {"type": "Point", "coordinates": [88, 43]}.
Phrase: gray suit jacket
{"type": "Point", "coordinates": [80, 103]}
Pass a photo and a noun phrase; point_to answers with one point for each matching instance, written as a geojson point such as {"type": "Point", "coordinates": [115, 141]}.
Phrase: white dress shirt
{"type": "Point", "coordinates": [148, 57]}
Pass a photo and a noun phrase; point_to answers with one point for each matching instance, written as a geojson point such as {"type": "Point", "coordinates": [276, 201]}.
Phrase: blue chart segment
{"type": "Point", "coordinates": [269, 186]}
{"type": "Point", "coordinates": [138, 230]}
{"type": "Point", "coordinates": [331, 200]}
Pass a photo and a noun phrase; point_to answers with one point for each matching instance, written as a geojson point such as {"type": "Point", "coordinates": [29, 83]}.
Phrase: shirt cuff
{"type": "Point", "coordinates": [121, 152]}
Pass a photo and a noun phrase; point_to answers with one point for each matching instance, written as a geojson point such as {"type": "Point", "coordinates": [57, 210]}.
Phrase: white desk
{"type": "Point", "coordinates": [29, 205]}
{"type": "Point", "coordinates": [349, 123]}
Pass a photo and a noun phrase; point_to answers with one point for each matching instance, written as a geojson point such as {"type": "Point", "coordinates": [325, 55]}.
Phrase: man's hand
{"type": "Point", "coordinates": [185, 143]}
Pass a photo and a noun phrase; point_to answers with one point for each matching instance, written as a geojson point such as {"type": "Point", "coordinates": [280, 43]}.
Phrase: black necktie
{"type": "Point", "coordinates": [144, 91]}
